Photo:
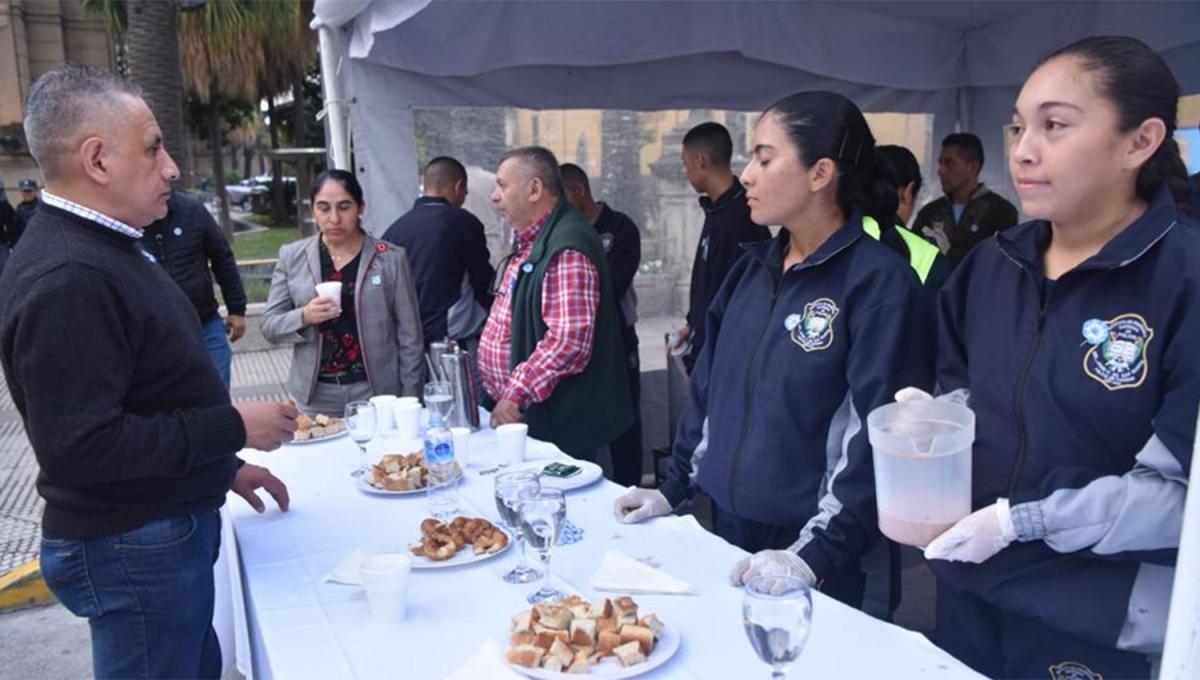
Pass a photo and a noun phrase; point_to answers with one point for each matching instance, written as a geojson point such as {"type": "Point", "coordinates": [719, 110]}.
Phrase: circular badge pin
{"type": "Point", "coordinates": [178, 231]}
{"type": "Point", "coordinates": [527, 267]}
{"type": "Point", "coordinates": [1095, 331]}
{"type": "Point", "coordinates": [791, 322]}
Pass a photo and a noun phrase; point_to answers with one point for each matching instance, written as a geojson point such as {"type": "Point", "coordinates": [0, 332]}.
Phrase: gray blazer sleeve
{"type": "Point", "coordinates": [409, 337]}
{"type": "Point", "coordinates": [283, 322]}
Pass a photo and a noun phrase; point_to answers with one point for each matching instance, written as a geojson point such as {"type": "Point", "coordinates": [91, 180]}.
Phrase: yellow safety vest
{"type": "Point", "coordinates": [921, 253]}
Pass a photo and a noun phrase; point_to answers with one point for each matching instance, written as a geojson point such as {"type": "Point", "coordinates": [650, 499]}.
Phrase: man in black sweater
{"type": "Point", "coordinates": [189, 244]}
{"type": "Point", "coordinates": [623, 252]}
{"type": "Point", "coordinates": [448, 252]}
{"type": "Point", "coordinates": [707, 152]}
{"type": "Point", "coordinates": [134, 433]}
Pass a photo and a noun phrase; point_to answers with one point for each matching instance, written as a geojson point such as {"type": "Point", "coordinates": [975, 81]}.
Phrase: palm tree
{"type": "Point", "coordinates": [292, 46]}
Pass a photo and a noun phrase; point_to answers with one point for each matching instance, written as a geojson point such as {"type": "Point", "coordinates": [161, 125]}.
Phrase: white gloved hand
{"type": "Point", "coordinates": [976, 537]}
{"type": "Point", "coordinates": [943, 241]}
{"type": "Point", "coordinates": [772, 563]}
{"type": "Point", "coordinates": [912, 394]}
{"type": "Point", "coordinates": [638, 505]}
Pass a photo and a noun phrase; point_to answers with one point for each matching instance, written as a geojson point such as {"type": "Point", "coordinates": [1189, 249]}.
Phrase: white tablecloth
{"type": "Point", "coordinates": [301, 627]}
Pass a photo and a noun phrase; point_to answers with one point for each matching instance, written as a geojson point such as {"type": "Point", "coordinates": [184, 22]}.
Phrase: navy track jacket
{"type": "Point", "coordinates": [774, 426]}
{"type": "Point", "coordinates": [1085, 392]}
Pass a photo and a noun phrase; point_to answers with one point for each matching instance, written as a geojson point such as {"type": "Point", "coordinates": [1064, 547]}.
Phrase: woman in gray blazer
{"type": "Point", "coordinates": [369, 342]}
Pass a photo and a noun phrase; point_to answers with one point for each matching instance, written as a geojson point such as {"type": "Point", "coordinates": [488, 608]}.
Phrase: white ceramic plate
{"type": "Point", "coordinates": [589, 473]}
{"type": "Point", "coordinates": [319, 440]}
{"type": "Point", "coordinates": [666, 647]}
{"type": "Point", "coordinates": [366, 487]}
{"type": "Point", "coordinates": [461, 558]}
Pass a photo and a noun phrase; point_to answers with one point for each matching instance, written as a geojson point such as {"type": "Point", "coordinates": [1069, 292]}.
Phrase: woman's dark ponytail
{"type": "Point", "coordinates": [1139, 85]}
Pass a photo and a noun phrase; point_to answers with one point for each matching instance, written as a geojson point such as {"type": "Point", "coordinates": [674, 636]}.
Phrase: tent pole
{"type": "Point", "coordinates": [1181, 647]}
{"type": "Point", "coordinates": [962, 122]}
{"type": "Point", "coordinates": [331, 54]}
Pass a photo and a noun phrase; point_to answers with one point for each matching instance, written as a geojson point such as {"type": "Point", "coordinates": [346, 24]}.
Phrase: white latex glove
{"type": "Point", "coordinates": [976, 537]}
{"type": "Point", "coordinates": [773, 563]}
{"type": "Point", "coordinates": [913, 394]}
{"type": "Point", "coordinates": [943, 241]}
{"type": "Point", "coordinates": [639, 505]}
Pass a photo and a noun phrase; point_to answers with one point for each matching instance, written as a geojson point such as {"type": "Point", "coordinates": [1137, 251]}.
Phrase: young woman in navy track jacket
{"type": "Point", "coordinates": [810, 331]}
{"type": "Point", "coordinates": [1076, 336]}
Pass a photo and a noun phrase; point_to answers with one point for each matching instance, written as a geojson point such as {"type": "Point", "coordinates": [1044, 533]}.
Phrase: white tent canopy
{"type": "Point", "coordinates": [961, 61]}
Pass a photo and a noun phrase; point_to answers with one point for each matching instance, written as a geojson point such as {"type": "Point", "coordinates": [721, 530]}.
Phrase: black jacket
{"type": "Point", "coordinates": [11, 226]}
{"type": "Point", "coordinates": [185, 243]}
{"type": "Point", "coordinates": [986, 213]}
{"type": "Point", "coordinates": [444, 243]}
{"type": "Point", "coordinates": [125, 411]}
{"type": "Point", "coordinates": [623, 250]}
{"type": "Point", "coordinates": [726, 224]}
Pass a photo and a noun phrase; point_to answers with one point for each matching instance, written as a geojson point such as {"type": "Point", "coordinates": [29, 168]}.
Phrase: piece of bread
{"type": "Point", "coordinates": [606, 642]}
{"type": "Point", "coordinates": [301, 435]}
{"type": "Point", "coordinates": [563, 652]}
{"type": "Point", "coordinates": [581, 611]}
{"type": "Point", "coordinates": [546, 637]}
{"type": "Point", "coordinates": [651, 621]}
{"type": "Point", "coordinates": [606, 623]}
{"type": "Point", "coordinates": [555, 616]}
{"type": "Point", "coordinates": [583, 632]}
{"type": "Point", "coordinates": [522, 622]}
{"type": "Point", "coordinates": [303, 422]}
{"type": "Point", "coordinates": [629, 654]}
{"type": "Point", "coordinates": [321, 419]}
{"type": "Point", "coordinates": [518, 639]}
{"type": "Point", "coordinates": [318, 431]}
{"type": "Point", "coordinates": [602, 609]}
{"type": "Point", "coordinates": [579, 666]}
{"type": "Point", "coordinates": [639, 634]}
{"type": "Point", "coordinates": [552, 664]}
{"type": "Point", "coordinates": [525, 655]}
{"type": "Point", "coordinates": [625, 610]}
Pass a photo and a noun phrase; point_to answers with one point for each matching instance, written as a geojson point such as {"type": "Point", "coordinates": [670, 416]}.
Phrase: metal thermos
{"type": "Point", "coordinates": [456, 365]}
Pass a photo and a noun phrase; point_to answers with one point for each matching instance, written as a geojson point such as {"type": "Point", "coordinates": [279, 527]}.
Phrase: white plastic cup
{"type": "Point", "coordinates": [408, 419]}
{"type": "Point", "coordinates": [384, 404]}
{"type": "Point", "coordinates": [331, 290]}
{"type": "Point", "coordinates": [462, 445]}
{"type": "Point", "coordinates": [385, 578]}
{"type": "Point", "coordinates": [512, 441]}
{"type": "Point", "coordinates": [408, 400]}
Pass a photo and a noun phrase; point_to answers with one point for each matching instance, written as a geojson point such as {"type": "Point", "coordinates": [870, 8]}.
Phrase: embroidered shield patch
{"type": "Point", "coordinates": [814, 331]}
{"type": "Point", "coordinates": [1073, 670]}
{"type": "Point", "coordinates": [1120, 361]}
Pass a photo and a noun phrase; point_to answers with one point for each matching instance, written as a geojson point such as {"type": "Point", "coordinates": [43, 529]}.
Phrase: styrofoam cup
{"type": "Point", "coordinates": [331, 290]}
{"type": "Point", "coordinates": [408, 420]}
{"type": "Point", "coordinates": [512, 441]}
{"type": "Point", "coordinates": [385, 578]}
{"type": "Point", "coordinates": [462, 445]}
{"type": "Point", "coordinates": [384, 403]}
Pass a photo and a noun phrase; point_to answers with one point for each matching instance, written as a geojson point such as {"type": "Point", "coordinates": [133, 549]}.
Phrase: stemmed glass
{"type": "Point", "coordinates": [439, 399]}
{"type": "Point", "coordinates": [543, 514]}
{"type": "Point", "coordinates": [509, 487]}
{"type": "Point", "coordinates": [777, 614]}
{"type": "Point", "coordinates": [361, 422]}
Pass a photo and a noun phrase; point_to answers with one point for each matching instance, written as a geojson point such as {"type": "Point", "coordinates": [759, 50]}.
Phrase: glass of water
{"type": "Point", "coordinates": [361, 423]}
{"type": "Point", "coordinates": [509, 487]}
{"type": "Point", "coordinates": [439, 399]}
{"type": "Point", "coordinates": [777, 613]}
{"type": "Point", "coordinates": [543, 514]}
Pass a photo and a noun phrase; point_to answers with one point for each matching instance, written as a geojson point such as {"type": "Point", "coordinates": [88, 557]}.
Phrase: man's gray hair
{"type": "Point", "coordinates": [60, 103]}
{"type": "Point", "coordinates": [541, 163]}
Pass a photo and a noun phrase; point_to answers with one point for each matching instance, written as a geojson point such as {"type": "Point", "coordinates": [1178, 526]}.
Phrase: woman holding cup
{"type": "Point", "coordinates": [348, 306]}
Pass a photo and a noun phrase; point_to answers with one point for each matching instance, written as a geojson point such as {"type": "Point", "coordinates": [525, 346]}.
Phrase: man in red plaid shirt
{"type": "Point", "coordinates": [551, 352]}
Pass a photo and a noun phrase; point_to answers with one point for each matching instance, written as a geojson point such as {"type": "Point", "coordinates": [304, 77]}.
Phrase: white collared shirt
{"type": "Point", "coordinates": [87, 213]}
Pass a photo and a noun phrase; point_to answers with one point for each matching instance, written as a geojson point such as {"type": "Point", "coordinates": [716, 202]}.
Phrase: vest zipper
{"type": "Point", "coordinates": [749, 401]}
{"type": "Point", "coordinates": [1019, 393]}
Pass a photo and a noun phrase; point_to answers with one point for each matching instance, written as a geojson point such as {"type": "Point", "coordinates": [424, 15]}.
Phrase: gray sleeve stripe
{"type": "Point", "coordinates": [1146, 617]}
{"type": "Point", "coordinates": [842, 428]}
{"type": "Point", "coordinates": [1140, 510]}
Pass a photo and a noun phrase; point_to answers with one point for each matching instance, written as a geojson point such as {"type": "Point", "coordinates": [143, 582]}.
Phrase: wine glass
{"type": "Point", "coordinates": [777, 614]}
{"type": "Point", "coordinates": [509, 486]}
{"type": "Point", "coordinates": [439, 399]}
{"type": "Point", "coordinates": [543, 513]}
{"type": "Point", "coordinates": [361, 422]}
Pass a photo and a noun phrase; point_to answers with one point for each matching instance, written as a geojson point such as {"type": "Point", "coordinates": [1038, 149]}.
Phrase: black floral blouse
{"type": "Point", "coordinates": [341, 354]}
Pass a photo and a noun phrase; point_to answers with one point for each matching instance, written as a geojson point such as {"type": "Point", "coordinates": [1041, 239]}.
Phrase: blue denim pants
{"type": "Point", "coordinates": [147, 594]}
{"type": "Point", "coordinates": [218, 346]}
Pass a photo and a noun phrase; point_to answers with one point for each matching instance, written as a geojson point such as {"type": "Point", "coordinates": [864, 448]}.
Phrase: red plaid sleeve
{"type": "Point", "coordinates": [570, 300]}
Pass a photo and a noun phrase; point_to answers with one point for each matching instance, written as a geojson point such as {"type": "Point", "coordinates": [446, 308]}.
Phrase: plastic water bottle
{"type": "Point", "coordinates": [442, 485]}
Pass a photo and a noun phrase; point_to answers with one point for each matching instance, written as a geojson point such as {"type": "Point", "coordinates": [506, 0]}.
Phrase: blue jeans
{"type": "Point", "coordinates": [147, 595]}
{"type": "Point", "coordinates": [218, 346]}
